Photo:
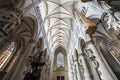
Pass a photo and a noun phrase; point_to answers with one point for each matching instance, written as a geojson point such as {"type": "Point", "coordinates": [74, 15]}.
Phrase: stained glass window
{"type": "Point", "coordinates": [112, 49]}
{"type": "Point", "coordinates": [60, 60]}
{"type": "Point", "coordinates": [6, 53]}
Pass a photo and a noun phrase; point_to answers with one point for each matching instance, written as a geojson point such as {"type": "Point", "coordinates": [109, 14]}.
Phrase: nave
{"type": "Point", "coordinates": [59, 40]}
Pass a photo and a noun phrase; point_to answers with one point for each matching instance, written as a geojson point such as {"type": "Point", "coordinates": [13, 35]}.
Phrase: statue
{"type": "Point", "coordinates": [36, 62]}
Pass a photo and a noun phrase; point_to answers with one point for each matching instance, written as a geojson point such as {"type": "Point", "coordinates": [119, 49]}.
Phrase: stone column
{"type": "Point", "coordinates": [105, 73]}
{"type": "Point", "coordinates": [70, 72]}
{"type": "Point", "coordinates": [84, 68]}
{"type": "Point", "coordinates": [94, 65]}
{"type": "Point", "coordinates": [74, 72]}
{"type": "Point", "coordinates": [78, 70]}
{"type": "Point", "coordinates": [78, 75]}
{"type": "Point", "coordinates": [22, 63]}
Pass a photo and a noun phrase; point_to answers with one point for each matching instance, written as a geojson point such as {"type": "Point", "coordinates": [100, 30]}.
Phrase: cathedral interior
{"type": "Point", "coordinates": [59, 40]}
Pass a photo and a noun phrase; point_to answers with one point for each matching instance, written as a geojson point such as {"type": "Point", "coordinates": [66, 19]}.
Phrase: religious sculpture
{"type": "Point", "coordinates": [36, 63]}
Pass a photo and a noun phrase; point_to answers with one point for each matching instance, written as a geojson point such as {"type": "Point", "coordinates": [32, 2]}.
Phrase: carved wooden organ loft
{"type": "Point", "coordinates": [91, 24]}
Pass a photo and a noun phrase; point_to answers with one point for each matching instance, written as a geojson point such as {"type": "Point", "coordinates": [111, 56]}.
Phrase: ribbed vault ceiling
{"type": "Point", "coordinates": [58, 19]}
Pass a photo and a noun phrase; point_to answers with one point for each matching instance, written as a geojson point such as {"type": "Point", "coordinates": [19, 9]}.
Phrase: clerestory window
{"type": "Point", "coordinates": [60, 60]}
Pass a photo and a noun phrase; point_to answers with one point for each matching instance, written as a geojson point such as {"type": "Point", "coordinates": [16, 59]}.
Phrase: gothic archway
{"type": "Point", "coordinates": [60, 64]}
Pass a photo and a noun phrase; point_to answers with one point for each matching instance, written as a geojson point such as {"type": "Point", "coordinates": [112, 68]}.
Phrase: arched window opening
{"type": "Point", "coordinates": [4, 56]}
{"type": "Point", "coordinates": [60, 60]}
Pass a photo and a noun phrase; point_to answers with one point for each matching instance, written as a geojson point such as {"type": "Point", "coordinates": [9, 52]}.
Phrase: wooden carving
{"type": "Point", "coordinates": [91, 24]}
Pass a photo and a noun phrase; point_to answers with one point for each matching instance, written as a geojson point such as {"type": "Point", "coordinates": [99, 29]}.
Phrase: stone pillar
{"type": "Point", "coordinates": [19, 73]}
{"type": "Point", "coordinates": [105, 73]}
{"type": "Point", "coordinates": [74, 72]}
{"type": "Point", "coordinates": [78, 75]}
{"type": "Point", "coordinates": [70, 72]}
{"type": "Point", "coordinates": [94, 65]}
{"type": "Point", "coordinates": [78, 70]}
{"type": "Point", "coordinates": [84, 68]}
